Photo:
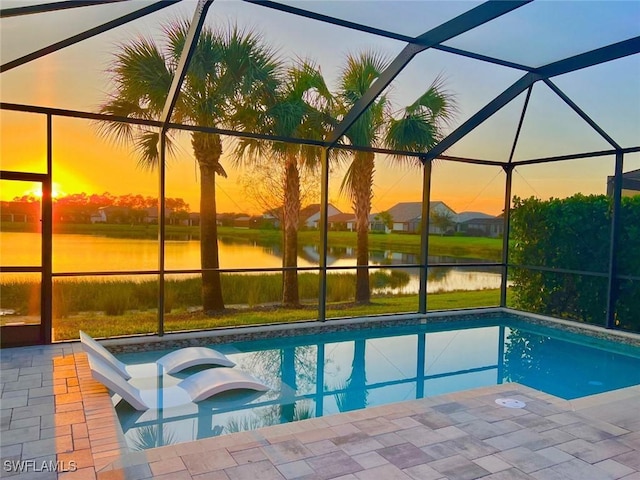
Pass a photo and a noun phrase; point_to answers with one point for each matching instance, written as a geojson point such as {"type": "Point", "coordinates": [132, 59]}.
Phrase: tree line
{"type": "Point", "coordinates": [236, 80]}
{"type": "Point", "coordinates": [81, 207]}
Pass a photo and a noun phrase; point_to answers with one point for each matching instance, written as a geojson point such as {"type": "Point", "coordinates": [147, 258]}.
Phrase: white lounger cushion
{"type": "Point", "coordinates": [207, 383]}
{"type": "Point", "coordinates": [102, 372]}
{"type": "Point", "coordinates": [188, 357]}
{"type": "Point", "coordinates": [91, 346]}
{"type": "Point", "coordinates": [172, 362]}
{"type": "Point", "coordinates": [197, 387]}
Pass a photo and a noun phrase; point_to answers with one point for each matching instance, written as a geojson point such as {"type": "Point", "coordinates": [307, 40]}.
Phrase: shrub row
{"type": "Point", "coordinates": [575, 234]}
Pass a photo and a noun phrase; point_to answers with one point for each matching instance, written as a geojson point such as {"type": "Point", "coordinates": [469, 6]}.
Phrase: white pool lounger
{"type": "Point", "coordinates": [197, 387]}
{"type": "Point", "coordinates": [172, 362]}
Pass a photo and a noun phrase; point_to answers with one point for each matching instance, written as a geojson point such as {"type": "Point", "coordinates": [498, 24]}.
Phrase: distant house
{"type": "Point", "coordinates": [462, 217]}
{"type": "Point", "coordinates": [151, 215]}
{"type": "Point", "coordinates": [271, 218]}
{"type": "Point", "coordinates": [113, 214]}
{"type": "Point", "coordinates": [342, 222]}
{"type": "Point", "coordinates": [310, 215]}
{"type": "Point", "coordinates": [630, 184]}
{"type": "Point", "coordinates": [377, 224]}
{"type": "Point", "coordinates": [226, 219]}
{"type": "Point", "coordinates": [266, 220]}
{"type": "Point", "coordinates": [407, 217]}
{"type": "Point", "coordinates": [482, 226]}
{"type": "Point", "coordinates": [462, 221]}
{"type": "Point", "coordinates": [242, 221]}
{"type": "Point", "coordinates": [194, 219]}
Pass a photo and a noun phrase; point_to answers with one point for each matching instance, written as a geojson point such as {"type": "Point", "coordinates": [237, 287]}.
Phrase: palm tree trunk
{"type": "Point", "coordinates": [289, 384]}
{"type": "Point", "coordinates": [363, 184]}
{"type": "Point", "coordinates": [207, 149]}
{"type": "Point", "coordinates": [291, 218]}
{"type": "Point", "coordinates": [357, 381]}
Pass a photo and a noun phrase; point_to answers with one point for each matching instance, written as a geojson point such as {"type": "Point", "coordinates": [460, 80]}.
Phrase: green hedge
{"type": "Point", "coordinates": [575, 233]}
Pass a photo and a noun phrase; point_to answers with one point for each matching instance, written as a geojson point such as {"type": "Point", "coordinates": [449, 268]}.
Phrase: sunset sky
{"type": "Point", "coordinates": [536, 34]}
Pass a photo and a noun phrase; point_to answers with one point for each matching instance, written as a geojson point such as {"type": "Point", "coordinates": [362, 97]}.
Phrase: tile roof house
{"type": "Point", "coordinates": [482, 226]}
{"type": "Point", "coordinates": [407, 216]}
{"type": "Point", "coordinates": [310, 215]}
{"type": "Point", "coordinates": [342, 221]}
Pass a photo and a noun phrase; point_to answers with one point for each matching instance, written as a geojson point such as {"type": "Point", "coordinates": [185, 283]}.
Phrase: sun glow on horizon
{"type": "Point", "coordinates": [56, 191]}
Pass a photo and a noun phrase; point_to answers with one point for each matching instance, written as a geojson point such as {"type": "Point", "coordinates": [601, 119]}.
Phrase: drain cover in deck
{"type": "Point", "coordinates": [510, 403]}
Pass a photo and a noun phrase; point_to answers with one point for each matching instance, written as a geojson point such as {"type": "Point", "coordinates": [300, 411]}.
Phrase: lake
{"type": "Point", "coordinates": [90, 253]}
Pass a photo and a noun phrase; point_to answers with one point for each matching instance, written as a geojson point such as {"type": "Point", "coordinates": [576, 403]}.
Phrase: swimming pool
{"type": "Point", "coordinates": [316, 375]}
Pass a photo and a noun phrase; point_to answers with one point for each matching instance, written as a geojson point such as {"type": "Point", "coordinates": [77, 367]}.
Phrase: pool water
{"type": "Point", "coordinates": [312, 376]}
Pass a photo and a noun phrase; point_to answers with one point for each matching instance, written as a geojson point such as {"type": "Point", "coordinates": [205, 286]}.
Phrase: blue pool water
{"type": "Point", "coordinates": [312, 376]}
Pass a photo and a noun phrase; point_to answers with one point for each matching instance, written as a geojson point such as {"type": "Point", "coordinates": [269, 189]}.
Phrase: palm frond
{"type": "Point", "coordinates": [359, 73]}
{"type": "Point", "coordinates": [149, 436]}
{"type": "Point", "coordinates": [436, 103]}
{"type": "Point", "coordinates": [141, 74]}
{"type": "Point", "coordinates": [146, 143]}
{"type": "Point", "coordinates": [121, 132]}
{"type": "Point", "coordinates": [421, 125]}
{"type": "Point", "coordinates": [346, 186]}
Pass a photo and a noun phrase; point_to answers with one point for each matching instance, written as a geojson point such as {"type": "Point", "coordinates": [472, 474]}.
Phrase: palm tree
{"type": "Point", "coordinates": [299, 109]}
{"type": "Point", "coordinates": [357, 76]}
{"type": "Point", "coordinates": [354, 393]}
{"type": "Point", "coordinates": [230, 70]}
{"type": "Point", "coordinates": [418, 129]}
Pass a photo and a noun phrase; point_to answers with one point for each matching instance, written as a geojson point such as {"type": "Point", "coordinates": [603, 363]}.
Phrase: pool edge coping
{"type": "Point", "coordinates": [254, 332]}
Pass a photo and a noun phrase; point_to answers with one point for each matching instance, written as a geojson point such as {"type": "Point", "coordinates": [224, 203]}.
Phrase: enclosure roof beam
{"type": "Point", "coordinates": [462, 23]}
{"type": "Point", "coordinates": [301, 12]}
{"type": "Point", "coordinates": [576, 156]}
{"type": "Point", "coordinates": [520, 123]}
{"type": "Point", "coordinates": [190, 43]}
{"type": "Point", "coordinates": [52, 7]}
{"type": "Point", "coordinates": [582, 114]}
{"type": "Point", "coordinates": [92, 32]}
{"type": "Point", "coordinates": [591, 58]}
{"type": "Point", "coordinates": [492, 107]}
{"type": "Point", "coordinates": [383, 33]}
{"type": "Point", "coordinates": [483, 58]}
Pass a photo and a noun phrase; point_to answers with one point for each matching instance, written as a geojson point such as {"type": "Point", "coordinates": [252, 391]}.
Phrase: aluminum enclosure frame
{"type": "Point", "coordinates": [431, 39]}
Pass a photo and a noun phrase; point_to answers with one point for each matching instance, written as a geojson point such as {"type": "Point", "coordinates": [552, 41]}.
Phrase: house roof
{"type": "Point", "coordinates": [309, 210]}
{"type": "Point", "coordinates": [342, 217]}
{"type": "Point", "coordinates": [312, 209]}
{"type": "Point", "coordinates": [484, 221]}
{"type": "Point", "coordinates": [407, 211]}
{"type": "Point", "coordinates": [630, 181]}
{"type": "Point", "coordinates": [466, 216]}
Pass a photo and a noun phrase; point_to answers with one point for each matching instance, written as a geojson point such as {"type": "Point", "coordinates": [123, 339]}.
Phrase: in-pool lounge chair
{"type": "Point", "coordinates": [194, 388]}
{"type": "Point", "coordinates": [172, 362]}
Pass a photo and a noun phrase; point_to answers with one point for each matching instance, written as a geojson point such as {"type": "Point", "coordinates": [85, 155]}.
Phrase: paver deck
{"type": "Point", "coordinates": [53, 411]}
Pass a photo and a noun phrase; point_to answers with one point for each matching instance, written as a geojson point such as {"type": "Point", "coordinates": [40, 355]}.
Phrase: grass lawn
{"type": "Point", "coordinates": [136, 322]}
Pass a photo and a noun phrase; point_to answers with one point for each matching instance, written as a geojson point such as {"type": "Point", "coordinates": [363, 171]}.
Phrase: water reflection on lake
{"type": "Point", "coordinates": [89, 253]}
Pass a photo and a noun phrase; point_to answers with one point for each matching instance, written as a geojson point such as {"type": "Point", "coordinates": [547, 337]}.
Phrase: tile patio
{"type": "Point", "coordinates": [52, 411]}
